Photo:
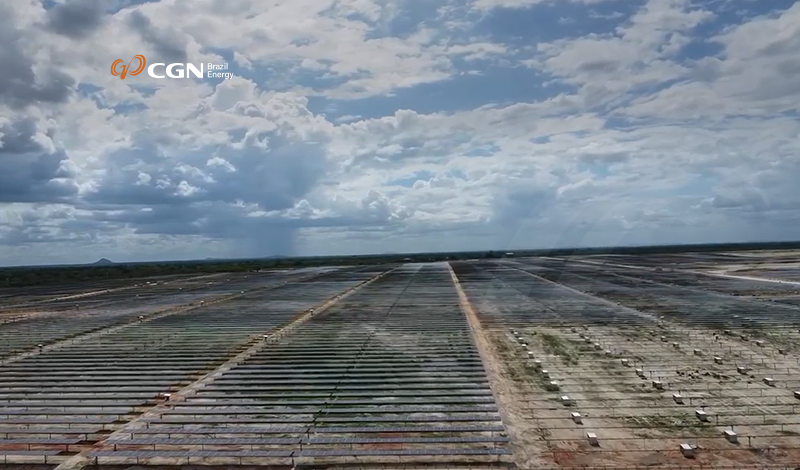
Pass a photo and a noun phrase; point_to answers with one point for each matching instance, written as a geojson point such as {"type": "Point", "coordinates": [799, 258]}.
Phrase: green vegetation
{"type": "Point", "coordinates": [556, 346]}
{"type": "Point", "coordinates": [54, 275]}
{"type": "Point", "coordinates": [615, 371]}
{"type": "Point", "coordinates": [671, 423]}
{"type": "Point", "coordinates": [516, 370]}
{"type": "Point", "coordinates": [545, 383]}
{"type": "Point", "coordinates": [507, 354]}
{"type": "Point", "coordinates": [61, 275]}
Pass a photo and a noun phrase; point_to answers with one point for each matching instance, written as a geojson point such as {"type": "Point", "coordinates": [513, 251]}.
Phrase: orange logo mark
{"type": "Point", "coordinates": [126, 69]}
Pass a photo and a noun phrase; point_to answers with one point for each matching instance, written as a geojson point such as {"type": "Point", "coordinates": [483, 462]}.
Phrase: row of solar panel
{"type": "Point", "coordinates": [228, 420]}
{"type": "Point", "coordinates": [384, 377]}
{"type": "Point", "coordinates": [62, 375]}
{"type": "Point", "coordinates": [69, 395]}
{"type": "Point", "coordinates": [72, 383]}
{"type": "Point", "coordinates": [430, 400]}
{"type": "Point", "coordinates": [453, 333]}
{"type": "Point", "coordinates": [359, 345]}
{"type": "Point", "coordinates": [336, 378]}
{"type": "Point", "coordinates": [301, 440]}
{"type": "Point", "coordinates": [5, 442]}
{"type": "Point", "coordinates": [310, 430]}
{"type": "Point", "coordinates": [261, 430]}
{"type": "Point", "coordinates": [408, 355]}
{"type": "Point", "coordinates": [452, 369]}
{"type": "Point", "coordinates": [198, 402]}
{"type": "Point", "coordinates": [76, 385]}
{"type": "Point", "coordinates": [141, 388]}
{"type": "Point", "coordinates": [355, 386]}
{"type": "Point", "coordinates": [302, 376]}
{"type": "Point", "coordinates": [429, 383]}
{"type": "Point", "coordinates": [253, 409]}
{"type": "Point", "coordinates": [70, 367]}
{"type": "Point", "coordinates": [36, 453]}
{"type": "Point", "coordinates": [326, 362]}
{"type": "Point", "coordinates": [355, 419]}
{"type": "Point", "coordinates": [103, 381]}
{"type": "Point", "coordinates": [72, 357]}
{"type": "Point", "coordinates": [142, 454]}
{"type": "Point", "coordinates": [30, 403]}
{"type": "Point", "coordinates": [324, 393]}
{"type": "Point", "coordinates": [333, 393]}
{"type": "Point", "coordinates": [449, 371]}
{"type": "Point", "coordinates": [67, 421]}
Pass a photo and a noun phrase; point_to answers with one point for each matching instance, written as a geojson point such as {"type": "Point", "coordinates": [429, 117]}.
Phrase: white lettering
{"type": "Point", "coordinates": [151, 71]}
{"type": "Point", "coordinates": [179, 70]}
{"type": "Point", "coordinates": [191, 69]}
{"type": "Point", "coordinates": [171, 70]}
{"type": "Point", "coordinates": [224, 75]}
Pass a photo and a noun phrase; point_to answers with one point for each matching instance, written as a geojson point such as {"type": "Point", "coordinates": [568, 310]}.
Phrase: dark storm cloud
{"type": "Point", "coordinates": [516, 204]}
{"type": "Point", "coordinates": [603, 66]}
{"type": "Point", "coordinates": [156, 204]}
{"type": "Point", "coordinates": [29, 172]}
{"type": "Point", "coordinates": [274, 180]}
{"type": "Point", "coordinates": [211, 220]}
{"type": "Point", "coordinates": [19, 85]}
{"type": "Point", "coordinates": [76, 19]}
{"type": "Point", "coordinates": [274, 183]}
{"type": "Point", "coordinates": [168, 46]}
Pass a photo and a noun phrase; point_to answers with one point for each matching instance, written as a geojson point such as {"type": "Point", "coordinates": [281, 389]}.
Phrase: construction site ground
{"type": "Point", "coordinates": [489, 363]}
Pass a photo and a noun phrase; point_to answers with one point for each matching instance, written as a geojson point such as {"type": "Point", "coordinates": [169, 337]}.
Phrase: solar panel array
{"type": "Point", "coordinates": [506, 295]}
{"type": "Point", "coordinates": [390, 371]}
{"type": "Point", "coordinates": [72, 317]}
{"type": "Point", "coordinates": [65, 295]}
{"type": "Point", "coordinates": [693, 299]}
{"type": "Point", "coordinates": [88, 388]}
{"type": "Point", "coordinates": [637, 346]}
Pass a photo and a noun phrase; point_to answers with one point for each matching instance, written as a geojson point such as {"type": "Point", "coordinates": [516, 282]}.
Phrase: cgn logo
{"type": "Point", "coordinates": [126, 69]}
{"type": "Point", "coordinates": [175, 70]}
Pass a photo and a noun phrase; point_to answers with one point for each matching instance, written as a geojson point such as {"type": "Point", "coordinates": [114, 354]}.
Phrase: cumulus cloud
{"type": "Point", "coordinates": [22, 84]}
{"type": "Point", "coordinates": [491, 4]}
{"type": "Point", "coordinates": [76, 19]}
{"type": "Point", "coordinates": [366, 125]}
{"type": "Point", "coordinates": [32, 167]}
{"type": "Point", "coordinates": [168, 45]}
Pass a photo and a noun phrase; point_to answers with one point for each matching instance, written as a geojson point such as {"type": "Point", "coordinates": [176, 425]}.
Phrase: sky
{"type": "Point", "coordinates": [389, 126]}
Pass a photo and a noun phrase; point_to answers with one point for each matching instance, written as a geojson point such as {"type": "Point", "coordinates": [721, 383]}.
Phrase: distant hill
{"type": "Point", "coordinates": [103, 262]}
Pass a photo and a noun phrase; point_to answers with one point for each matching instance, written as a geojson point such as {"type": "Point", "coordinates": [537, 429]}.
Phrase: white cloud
{"type": "Point", "coordinates": [491, 4]}
{"type": "Point", "coordinates": [632, 140]}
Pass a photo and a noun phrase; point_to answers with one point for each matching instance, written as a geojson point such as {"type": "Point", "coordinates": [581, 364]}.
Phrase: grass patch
{"type": "Point", "coordinates": [544, 382]}
{"type": "Point", "coordinates": [556, 346]}
{"type": "Point", "coordinates": [615, 372]}
{"type": "Point", "coordinates": [519, 374]}
{"type": "Point", "coordinates": [516, 371]}
{"type": "Point", "coordinates": [671, 423]}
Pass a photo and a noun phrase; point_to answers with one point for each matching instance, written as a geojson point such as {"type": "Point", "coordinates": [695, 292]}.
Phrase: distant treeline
{"type": "Point", "coordinates": [54, 275]}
